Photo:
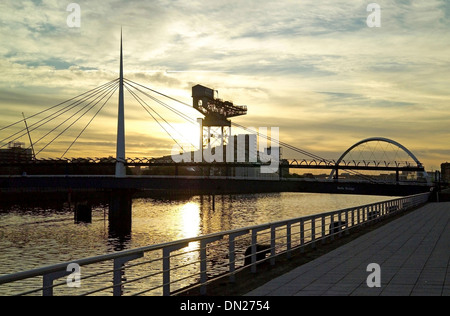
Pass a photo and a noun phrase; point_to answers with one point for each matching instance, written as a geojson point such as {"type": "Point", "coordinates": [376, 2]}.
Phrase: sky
{"type": "Point", "coordinates": [315, 69]}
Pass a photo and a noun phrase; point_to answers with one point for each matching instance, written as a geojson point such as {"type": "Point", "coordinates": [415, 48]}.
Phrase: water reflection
{"type": "Point", "coordinates": [190, 224]}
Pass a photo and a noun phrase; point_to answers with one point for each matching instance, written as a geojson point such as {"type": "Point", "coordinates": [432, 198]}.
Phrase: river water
{"type": "Point", "coordinates": [32, 237]}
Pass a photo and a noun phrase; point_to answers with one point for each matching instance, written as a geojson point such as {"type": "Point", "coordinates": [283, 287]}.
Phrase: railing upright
{"type": "Point", "coordinates": [203, 262]}
{"type": "Point", "coordinates": [166, 265]}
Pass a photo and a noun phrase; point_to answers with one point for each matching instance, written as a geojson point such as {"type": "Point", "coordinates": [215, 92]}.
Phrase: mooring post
{"type": "Point", "coordinates": [83, 212]}
{"type": "Point", "coordinates": [120, 207]}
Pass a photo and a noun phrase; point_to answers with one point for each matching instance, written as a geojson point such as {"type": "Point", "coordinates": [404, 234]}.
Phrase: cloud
{"type": "Point", "coordinates": [313, 68]}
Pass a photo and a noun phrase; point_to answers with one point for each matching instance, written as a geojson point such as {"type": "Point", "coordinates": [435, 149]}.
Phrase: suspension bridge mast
{"type": "Point", "coordinates": [215, 128]}
{"type": "Point", "coordinates": [120, 205]}
{"type": "Point", "coordinates": [120, 150]}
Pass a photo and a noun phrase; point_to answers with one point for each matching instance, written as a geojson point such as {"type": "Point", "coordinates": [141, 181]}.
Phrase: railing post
{"type": "Point", "coordinates": [47, 282]}
{"type": "Point", "coordinates": [253, 248]}
{"type": "Point", "coordinates": [353, 217]}
{"type": "Point", "coordinates": [347, 231]}
{"type": "Point", "coordinates": [313, 232]}
{"type": "Point", "coordinates": [340, 224]}
{"type": "Point", "coordinates": [364, 215]}
{"type": "Point", "coordinates": [203, 263]}
{"type": "Point", "coordinates": [166, 266]}
{"type": "Point", "coordinates": [117, 275]}
{"type": "Point", "coordinates": [302, 235]}
{"type": "Point", "coordinates": [288, 239]}
{"type": "Point", "coordinates": [323, 228]}
{"type": "Point", "coordinates": [331, 232]}
{"type": "Point", "coordinates": [272, 242]}
{"type": "Point", "coordinates": [232, 254]}
{"type": "Point", "coordinates": [253, 245]}
{"type": "Point", "coordinates": [377, 212]}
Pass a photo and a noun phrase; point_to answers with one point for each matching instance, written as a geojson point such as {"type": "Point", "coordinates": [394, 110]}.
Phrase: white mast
{"type": "Point", "coordinates": [120, 151]}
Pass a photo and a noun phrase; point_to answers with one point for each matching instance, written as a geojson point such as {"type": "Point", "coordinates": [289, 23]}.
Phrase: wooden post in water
{"type": "Point", "coordinates": [120, 206]}
{"type": "Point", "coordinates": [83, 213]}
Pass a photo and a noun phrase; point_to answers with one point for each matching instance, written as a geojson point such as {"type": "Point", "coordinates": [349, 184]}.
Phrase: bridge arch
{"type": "Point", "coordinates": [378, 139]}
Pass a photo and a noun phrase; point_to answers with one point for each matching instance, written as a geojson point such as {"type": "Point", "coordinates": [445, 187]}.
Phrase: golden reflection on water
{"type": "Point", "coordinates": [190, 219]}
{"type": "Point", "coordinates": [190, 223]}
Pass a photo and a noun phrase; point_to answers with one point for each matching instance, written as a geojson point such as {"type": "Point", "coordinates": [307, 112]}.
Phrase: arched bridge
{"type": "Point", "coordinates": [377, 164]}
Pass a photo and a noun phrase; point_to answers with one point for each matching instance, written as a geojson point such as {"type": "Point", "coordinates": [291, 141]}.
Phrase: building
{"type": "Point", "coordinates": [445, 172]}
{"type": "Point", "coordinates": [240, 149]}
{"type": "Point", "coordinates": [15, 153]}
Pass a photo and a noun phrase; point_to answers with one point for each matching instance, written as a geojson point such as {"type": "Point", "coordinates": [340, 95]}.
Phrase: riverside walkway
{"type": "Point", "coordinates": [413, 254]}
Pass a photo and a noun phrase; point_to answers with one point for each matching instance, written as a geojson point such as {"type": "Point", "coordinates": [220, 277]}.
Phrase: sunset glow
{"type": "Point", "coordinates": [315, 69]}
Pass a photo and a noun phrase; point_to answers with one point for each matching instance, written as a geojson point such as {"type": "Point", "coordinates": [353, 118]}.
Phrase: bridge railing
{"type": "Point", "coordinates": [174, 267]}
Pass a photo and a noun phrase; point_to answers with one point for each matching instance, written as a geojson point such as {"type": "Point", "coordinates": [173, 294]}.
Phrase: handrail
{"type": "Point", "coordinates": [308, 230]}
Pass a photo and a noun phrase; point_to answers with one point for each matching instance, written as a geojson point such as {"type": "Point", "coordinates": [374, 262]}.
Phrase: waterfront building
{"type": "Point", "coordinates": [15, 153]}
{"type": "Point", "coordinates": [445, 172]}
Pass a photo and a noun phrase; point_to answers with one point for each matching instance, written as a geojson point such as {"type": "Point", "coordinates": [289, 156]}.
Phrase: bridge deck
{"type": "Point", "coordinates": [202, 185]}
{"type": "Point", "coordinates": [413, 253]}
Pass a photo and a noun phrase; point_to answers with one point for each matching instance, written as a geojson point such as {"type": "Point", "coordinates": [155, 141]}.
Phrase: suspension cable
{"type": "Point", "coordinates": [70, 117]}
{"type": "Point", "coordinates": [140, 101]}
{"type": "Point", "coordinates": [89, 123]}
{"type": "Point", "coordinates": [179, 113]}
{"type": "Point", "coordinates": [162, 94]}
{"type": "Point", "coordinates": [102, 97]}
{"type": "Point", "coordinates": [162, 103]}
{"type": "Point", "coordinates": [54, 106]}
{"type": "Point", "coordinates": [54, 115]}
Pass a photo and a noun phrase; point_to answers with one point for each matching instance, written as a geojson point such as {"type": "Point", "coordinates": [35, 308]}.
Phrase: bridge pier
{"type": "Point", "coordinates": [83, 213]}
{"type": "Point", "coordinates": [120, 206]}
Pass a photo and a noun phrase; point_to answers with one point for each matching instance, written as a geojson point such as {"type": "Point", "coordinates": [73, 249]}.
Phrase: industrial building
{"type": "Point", "coordinates": [240, 150]}
{"type": "Point", "coordinates": [16, 153]}
{"type": "Point", "coordinates": [445, 172]}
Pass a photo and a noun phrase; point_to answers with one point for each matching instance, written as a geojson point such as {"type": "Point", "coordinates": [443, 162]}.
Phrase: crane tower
{"type": "Point", "coordinates": [215, 128]}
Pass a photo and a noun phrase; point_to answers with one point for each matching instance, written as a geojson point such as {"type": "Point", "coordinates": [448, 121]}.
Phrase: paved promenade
{"type": "Point", "coordinates": [413, 253]}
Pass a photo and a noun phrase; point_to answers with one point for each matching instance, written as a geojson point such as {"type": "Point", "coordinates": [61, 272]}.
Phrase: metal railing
{"type": "Point", "coordinates": [177, 266]}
